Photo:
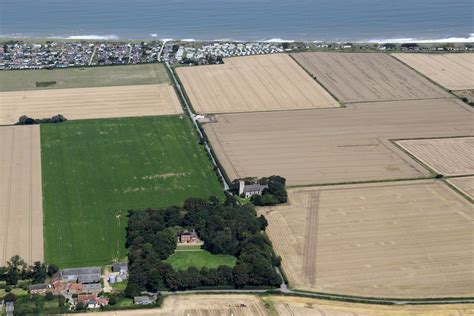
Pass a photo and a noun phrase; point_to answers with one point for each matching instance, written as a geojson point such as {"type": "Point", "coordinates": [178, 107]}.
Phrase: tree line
{"type": "Point", "coordinates": [17, 269]}
{"type": "Point", "coordinates": [226, 228]}
{"type": "Point", "coordinates": [25, 120]}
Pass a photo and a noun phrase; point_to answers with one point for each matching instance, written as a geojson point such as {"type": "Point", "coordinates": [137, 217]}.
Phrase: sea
{"type": "Point", "coordinates": [241, 20]}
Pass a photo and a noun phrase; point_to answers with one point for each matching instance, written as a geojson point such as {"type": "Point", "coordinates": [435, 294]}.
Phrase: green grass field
{"type": "Point", "coordinates": [185, 257]}
{"type": "Point", "coordinates": [94, 171]}
{"type": "Point", "coordinates": [17, 80]}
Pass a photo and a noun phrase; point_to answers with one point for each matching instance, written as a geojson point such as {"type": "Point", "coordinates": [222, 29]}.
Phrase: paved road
{"type": "Point", "coordinates": [193, 118]}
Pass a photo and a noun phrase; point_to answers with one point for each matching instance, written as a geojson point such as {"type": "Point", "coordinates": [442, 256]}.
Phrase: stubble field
{"type": "Point", "coordinates": [447, 156]}
{"type": "Point", "coordinates": [465, 185]}
{"type": "Point", "coordinates": [407, 239]}
{"type": "Point", "coordinates": [452, 71]}
{"type": "Point", "coordinates": [364, 77]}
{"type": "Point", "coordinates": [334, 145]}
{"type": "Point", "coordinates": [299, 306]}
{"type": "Point", "coordinates": [200, 305]}
{"type": "Point", "coordinates": [94, 171]}
{"type": "Point", "coordinates": [254, 83]}
{"type": "Point", "coordinates": [20, 80]}
{"type": "Point", "coordinates": [86, 103]}
{"type": "Point", "coordinates": [21, 211]}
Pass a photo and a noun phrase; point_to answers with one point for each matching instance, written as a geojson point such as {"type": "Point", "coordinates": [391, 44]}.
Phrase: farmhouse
{"type": "Point", "coordinates": [81, 275]}
{"type": "Point", "coordinates": [249, 190]}
{"type": "Point", "coordinates": [188, 237]}
{"type": "Point", "coordinates": [92, 301]}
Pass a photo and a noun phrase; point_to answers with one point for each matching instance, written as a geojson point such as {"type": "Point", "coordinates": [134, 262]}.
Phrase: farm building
{"type": "Point", "coordinates": [143, 300]}
{"type": "Point", "coordinates": [91, 288]}
{"type": "Point", "coordinates": [92, 301]}
{"type": "Point", "coordinates": [81, 275]}
{"type": "Point", "coordinates": [120, 267]}
{"type": "Point", "coordinates": [188, 237]}
{"type": "Point", "coordinates": [249, 190]}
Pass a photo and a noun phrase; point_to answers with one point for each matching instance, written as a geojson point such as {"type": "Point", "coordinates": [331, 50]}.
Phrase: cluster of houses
{"type": "Point", "coordinates": [189, 52]}
{"type": "Point", "coordinates": [25, 55]}
{"type": "Point", "coordinates": [82, 285]}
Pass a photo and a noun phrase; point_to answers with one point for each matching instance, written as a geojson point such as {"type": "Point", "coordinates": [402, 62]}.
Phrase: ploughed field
{"type": "Point", "coordinates": [94, 171]}
{"type": "Point", "coordinates": [334, 145]}
{"type": "Point", "coordinates": [254, 83]}
{"type": "Point", "coordinates": [452, 71]}
{"type": "Point", "coordinates": [21, 217]}
{"type": "Point", "coordinates": [86, 103]}
{"type": "Point", "coordinates": [447, 156]}
{"type": "Point", "coordinates": [464, 184]}
{"type": "Point", "coordinates": [364, 77]}
{"type": "Point", "coordinates": [406, 239]}
{"type": "Point", "coordinates": [19, 80]}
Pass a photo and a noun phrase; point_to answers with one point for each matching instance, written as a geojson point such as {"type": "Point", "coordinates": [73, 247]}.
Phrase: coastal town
{"type": "Point", "coordinates": [17, 54]}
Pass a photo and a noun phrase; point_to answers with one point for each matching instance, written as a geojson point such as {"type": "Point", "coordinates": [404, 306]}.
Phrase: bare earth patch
{"type": "Point", "coordinates": [465, 185]}
{"type": "Point", "coordinates": [86, 103]}
{"type": "Point", "coordinates": [407, 239]}
{"type": "Point", "coordinates": [447, 156]}
{"type": "Point", "coordinates": [254, 83]}
{"type": "Point", "coordinates": [194, 305]}
{"type": "Point", "coordinates": [334, 145]}
{"type": "Point", "coordinates": [21, 210]}
{"type": "Point", "coordinates": [300, 306]}
{"type": "Point", "coordinates": [363, 77]}
{"type": "Point", "coordinates": [452, 71]}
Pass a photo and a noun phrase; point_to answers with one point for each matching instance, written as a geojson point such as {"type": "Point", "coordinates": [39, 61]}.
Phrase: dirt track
{"type": "Point", "coordinates": [85, 103]}
{"type": "Point", "coordinates": [464, 184]}
{"type": "Point", "coordinates": [409, 239]}
{"type": "Point", "coordinates": [254, 83]}
{"type": "Point", "coordinates": [21, 210]}
{"type": "Point", "coordinates": [363, 77]}
{"type": "Point", "coordinates": [452, 71]}
{"type": "Point", "coordinates": [447, 156]}
{"type": "Point", "coordinates": [200, 305]}
{"type": "Point", "coordinates": [299, 306]}
{"type": "Point", "coordinates": [334, 145]}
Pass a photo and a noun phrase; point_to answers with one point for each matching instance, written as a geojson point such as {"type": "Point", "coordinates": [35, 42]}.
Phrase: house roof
{"type": "Point", "coordinates": [255, 187]}
{"type": "Point", "coordinates": [86, 297]}
{"type": "Point", "coordinates": [88, 278]}
{"type": "Point", "coordinates": [78, 271]}
{"type": "Point", "coordinates": [38, 287]}
{"type": "Point", "coordinates": [92, 287]}
{"type": "Point", "coordinates": [140, 299]}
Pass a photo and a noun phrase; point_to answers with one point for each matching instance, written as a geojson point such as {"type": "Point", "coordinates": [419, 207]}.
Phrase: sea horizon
{"type": "Point", "coordinates": [364, 21]}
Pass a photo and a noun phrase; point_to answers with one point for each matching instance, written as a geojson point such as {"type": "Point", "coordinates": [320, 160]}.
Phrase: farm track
{"type": "Point", "coordinates": [311, 237]}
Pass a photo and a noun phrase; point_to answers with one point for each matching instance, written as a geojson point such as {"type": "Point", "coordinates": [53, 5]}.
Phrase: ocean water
{"type": "Point", "coordinates": [310, 20]}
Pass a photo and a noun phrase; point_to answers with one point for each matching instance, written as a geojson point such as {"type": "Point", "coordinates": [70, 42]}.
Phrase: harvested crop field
{"type": "Point", "coordinates": [19, 80]}
{"type": "Point", "coordinates": [364, 77]}
{"type": "Point", "coordinates": [447, 156]}
{"type": "Point", "coordinates": [452, 71]}
{"type": "Point", "coordinates": [465, 185]}
{"type": "Point", "coordinates": [300, 306]}
{"type": "Point", "coordinates": [411, 239]}
{"type": "Point", "coordinates": [200, 305]}
{"type": "Point", "coordinates": [87, 103]}
{"type": "Point", "coordinates": [21, 210]}
{"type": "Point", "coordinates": [334, 145]}
{"type": "Point", "coordinates": [94, 171]}
{"type": "Point", "coordinates": [254, 83]}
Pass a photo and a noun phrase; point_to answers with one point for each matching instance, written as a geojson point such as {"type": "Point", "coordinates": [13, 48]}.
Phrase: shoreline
{"type": "Point", "coordinates": [154, 37]}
